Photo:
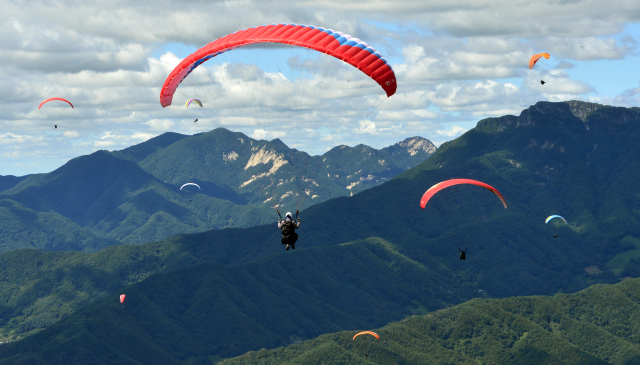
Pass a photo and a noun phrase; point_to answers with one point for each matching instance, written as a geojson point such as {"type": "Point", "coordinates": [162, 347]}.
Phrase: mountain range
{"type": "Point", "coordinates": [365, 260]}
{"type": "Point", "coordinates": [134, 196]}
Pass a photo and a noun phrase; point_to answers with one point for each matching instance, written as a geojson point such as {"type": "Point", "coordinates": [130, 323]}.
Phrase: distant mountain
{"type": "Point", "coordinates": [594, 326]}
{"type": "Point", "coordinates": [101, 200]}
{"type": "Point", "coordinates": [511, 252]}
{"type": "Point", "coordinates": [268, 174]}
{"type": "Point", "coordinates": [9, 181]}
{"type": "Point", "coordinates": [133, 196]}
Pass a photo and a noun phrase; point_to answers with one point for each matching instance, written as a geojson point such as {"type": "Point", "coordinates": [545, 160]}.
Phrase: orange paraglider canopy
{"type": "Point", "coordinates": [445, 184]}
{"type": "Point", "coordinates": [367, 333]}
{"type": "Point", "coordinates": [122, 296]}
{"type": "Point", "coordinates": [536, 57]}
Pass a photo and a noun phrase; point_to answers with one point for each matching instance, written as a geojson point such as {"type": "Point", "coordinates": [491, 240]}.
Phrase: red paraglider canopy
{"type": "Point", "coordinates": [50, 99]}
{"type": "Point", "coordinates": [445, 184]}
{"type": "Point", "coordinates": [337, 44]}
{"type": "Point", "coordinates": [122, 296]}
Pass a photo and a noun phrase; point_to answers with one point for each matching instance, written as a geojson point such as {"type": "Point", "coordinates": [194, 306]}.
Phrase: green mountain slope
{"type": "Point", "coordinates": [220, 311]}
{"type": "Point", "coordinates": [204, 313]}
{"type": "Point", "coordinates": [114, 199]}
{"type": "Point", "coordinates": [26, 228]}
{"type": "Point", "coordinates": [595, 326]}
{"type": "Point", "coordinates": [138, 152]}
{"type": "Point", "coordinates": [100, 199]}
{"type": "Point", "coordinates": [39, 288]}
{"type": "Point", "coordinates": [9, 181]}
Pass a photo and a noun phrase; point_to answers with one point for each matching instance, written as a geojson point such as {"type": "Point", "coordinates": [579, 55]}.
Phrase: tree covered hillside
{"type": "Point", "coordinates": [598, 325]}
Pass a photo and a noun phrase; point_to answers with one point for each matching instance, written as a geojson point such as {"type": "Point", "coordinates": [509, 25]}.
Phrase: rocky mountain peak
{"type": "Point", "coordinates": [415, 145]}
{"type": "Point", "coordinates": [582, 109]}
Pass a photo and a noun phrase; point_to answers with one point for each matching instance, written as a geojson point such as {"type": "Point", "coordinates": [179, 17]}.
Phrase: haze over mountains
{"type": "Point", "coordinates": [133, 196]}
{"type": "Point", "coordinates": [373, 258]}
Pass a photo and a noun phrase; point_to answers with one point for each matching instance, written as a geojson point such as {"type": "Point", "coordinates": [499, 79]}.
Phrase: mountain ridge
{"type": "Point", "coordinates": [109, 197]}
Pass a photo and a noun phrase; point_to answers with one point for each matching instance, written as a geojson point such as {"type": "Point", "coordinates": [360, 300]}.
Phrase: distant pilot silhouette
{"type": "Point", "coordinates": [463, 255]}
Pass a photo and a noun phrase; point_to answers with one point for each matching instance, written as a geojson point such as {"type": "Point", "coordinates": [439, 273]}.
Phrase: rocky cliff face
{"type": "Point", "coordinates": [270, 174]}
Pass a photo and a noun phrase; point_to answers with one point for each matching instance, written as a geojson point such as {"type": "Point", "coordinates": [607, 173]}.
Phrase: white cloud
{"type": "Point", "coordinates": [366, 126]}
{"type": "Point", "coordinates": [71, 134]}
{"type": "Point", "coordinates": [453, 131]}
{"type": "Point", "coordinates": [101, 144]}
{"type": "Point", "coordinates": [264, 134]}
{"type": "Point", "coordinates": [142, 136]}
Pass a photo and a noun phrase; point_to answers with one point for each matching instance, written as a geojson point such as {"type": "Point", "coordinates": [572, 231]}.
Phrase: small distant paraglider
{"type": "Point", "coordinates": [366, 354]}
{"type": "Point", "coordinates": [122, 296]}
{"type": "Point", "coordinates": [195, 101]}
{"type": "Point", "coordinates": [542, 82]}
{"type": "Point", "coordinates": [549, 218]}
{"type": "Point", "coordinates": [190, 184]}
{"type": "Point", "coordinates": [445, 184]}
{"type": "Point", "coordinates": [536, 57]}
{"type": "Point", "coordinates": [52, 99]}
{"type": "Point", "coordinates": [463, 254]}
{"type": "Point", "coordinates": [196, 121]}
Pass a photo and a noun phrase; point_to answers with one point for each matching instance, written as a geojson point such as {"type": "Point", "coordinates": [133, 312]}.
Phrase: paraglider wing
{"type": "Point", "coordinates": [367, 333]}
{"type": "Point", "coordinates": [122, 296]}
{"type": "Point", "coordinates": [536, 57]}
{"type": "Point", "coordinates": [554, 216]}
{"type": "Point", "coordinates": [186, 105]}
{"type": "Point", "coordinates": [190, 184]}
{"type": "Point", "coordinates": [51, 99]}
{"type": "Point", "coordinates": [337, 44]}
{"type": "Point", "coordinates": [445, 184]}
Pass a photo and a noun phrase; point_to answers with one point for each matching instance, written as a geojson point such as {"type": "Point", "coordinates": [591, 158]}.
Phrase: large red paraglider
{"type": "Point", "coordinates": [51, 99]}
{"type": "Point", "coordinates": [122, 296]}
{"type": "Point", "coordinates": [337, 44]}
{"type": "Point", "coordinates": [445, 184]}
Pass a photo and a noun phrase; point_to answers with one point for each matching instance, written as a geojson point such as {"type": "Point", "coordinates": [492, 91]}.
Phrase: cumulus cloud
{"type": "Point", "coordinates": [453, 131]}
{"type": "Point", "coordinates": [142, 136]}
{"type": "Point", "coordinates": [455, 61]}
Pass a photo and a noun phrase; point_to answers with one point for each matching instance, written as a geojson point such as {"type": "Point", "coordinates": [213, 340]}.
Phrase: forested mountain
{"type": "Point", "coordinates": [598, 325]}
{"type": "Point", "coordinates": [134, 196]}
{"type": "Point", "coordinates": [579, 160]}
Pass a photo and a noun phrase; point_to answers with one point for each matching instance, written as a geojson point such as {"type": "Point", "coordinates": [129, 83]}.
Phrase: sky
{"type": "Point", "coordinates": [456, 62]}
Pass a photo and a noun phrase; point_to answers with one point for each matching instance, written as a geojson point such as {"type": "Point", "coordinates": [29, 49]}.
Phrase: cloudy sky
{"type": "Point", "coordinates": [456, 62]}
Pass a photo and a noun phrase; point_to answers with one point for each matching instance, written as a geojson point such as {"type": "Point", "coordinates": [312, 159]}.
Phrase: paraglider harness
{"type": "Point", "coordinates": [289, 235]}
{"type": "Point", "coordinates": [462, 253]}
